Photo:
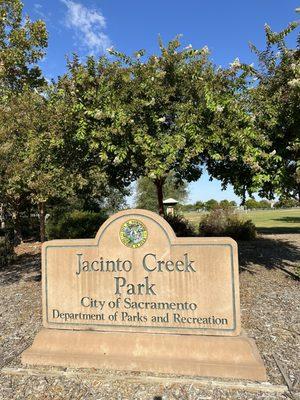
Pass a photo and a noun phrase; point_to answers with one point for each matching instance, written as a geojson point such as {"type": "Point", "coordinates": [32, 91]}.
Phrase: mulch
{"type": "Point", "coordinates": [270, 306]}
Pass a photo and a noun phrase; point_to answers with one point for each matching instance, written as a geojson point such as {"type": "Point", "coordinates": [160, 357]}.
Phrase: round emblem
{"type": "Point", "coordinates": [133, 233]}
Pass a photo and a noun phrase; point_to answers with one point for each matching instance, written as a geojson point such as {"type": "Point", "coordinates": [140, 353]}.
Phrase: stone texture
{"type": "Point", "coordinates": [213, 287]}
{"type": "Point", "coordinates": [228, 357]}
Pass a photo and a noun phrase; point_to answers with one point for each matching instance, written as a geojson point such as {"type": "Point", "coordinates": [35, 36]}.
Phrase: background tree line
{"type": "Point", "coordinates": [79, 142]}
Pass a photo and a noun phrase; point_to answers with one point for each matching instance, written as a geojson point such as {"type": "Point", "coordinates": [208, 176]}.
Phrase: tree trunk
{"type": "Point", "coordinates": [3, 219]}
{"type": "Point", "coordinates": [243, 196]}
{"type": "Point", "coordinates": [42, 215]}
{"type": "Point", "coordinates": [17, 228]}
{"type": "Point", "coordinates": [159, 190]}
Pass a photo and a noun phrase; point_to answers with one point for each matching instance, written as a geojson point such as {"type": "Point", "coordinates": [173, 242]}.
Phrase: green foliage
{"type": "Point", "coordinates": [286, 203]}
{"type": "Point", "coordinates": [146, 196]}
{"type": "Point", "coordinates": [225, 204]}
{"type": "Point", "coordinates": [211, 204]}
{"type": "Point", "coordinates": [275, 107]}
{"type": "Point", "coordinates": [22, 45]}
{"type": "Point", "coordinates": [93, 125]}
{"type": "Point", "coordinates": [199, 205]}
{"type": "Point", "coordinates": [268, 162]}
{"type": "Point", "coordinates": [264, 204]}
{"type": "Point", "coordinates": [208, 205]}
{"type": "Point", "coordinates": [224, 222]}
{"type": "Point", "coordinates": [252, 204]}
{"type": "Point", "coordinates": [31, 169]}
{"type": "Point", "coordinates": [184, 113]}
{"type": "Point", "coordinates": [180, 225]}
{"type": "Point", "coordinates": [75, 224]}
{"type": "Point", "coordinates": [108, 122]}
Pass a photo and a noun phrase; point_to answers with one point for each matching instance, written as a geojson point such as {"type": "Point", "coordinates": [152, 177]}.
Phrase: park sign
{"type": "Point", "coordinates": [137, 276]}
{"type": "Point", "coordinates": [137, 293]}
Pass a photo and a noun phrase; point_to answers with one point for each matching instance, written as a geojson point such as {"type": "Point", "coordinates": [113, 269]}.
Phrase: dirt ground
{"type": "Point", "coordinates": [270, 306]}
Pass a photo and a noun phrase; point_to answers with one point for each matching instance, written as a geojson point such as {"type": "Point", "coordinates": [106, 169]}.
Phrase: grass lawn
{"type": "Point", "coordinates": [266, 221]}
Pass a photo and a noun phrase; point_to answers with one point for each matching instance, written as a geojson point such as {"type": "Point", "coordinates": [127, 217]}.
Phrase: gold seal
{"type": "Point", "coordinates": [133, 233]}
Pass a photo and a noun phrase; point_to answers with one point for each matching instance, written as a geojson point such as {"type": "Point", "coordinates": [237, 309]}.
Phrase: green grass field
{"type": "Point", "coordinates": [266, 221]}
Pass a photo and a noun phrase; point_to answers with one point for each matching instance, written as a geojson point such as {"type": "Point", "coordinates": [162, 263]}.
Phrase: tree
{"type": "Point", "coordinates": [237, 153]}
{"type": "Point", "coordinates": [114, 200]}
{"type": "Point", "coordinates": [93, 123]}
{"type": "Point", "coordinates": [269, 101]}
{"type": "Point", "coordinates": [265, 204]}
{"type": "Point", "coordinates": [146, 196]}
{"type": "Point", "coordinates": [165, 97]}
{"type": "Point", "coordinates": [199, 205]}
{"type": "Point", "coordinates": [275, 102]}
{"type": "Point", "coordinates": [22, 45]}
{"type": "Point", "coordinates": [149, 117]}
{"type": "Point", "coordinates": [286, 203]}
{"type": "Point", "coordinates": [211, 204]}
{"type": "Point", "coordinates": [30, 168]}
{"type": "Point", "coordinates": [225, 204]}
{"type": "Point", "coordinates": [251, 204]}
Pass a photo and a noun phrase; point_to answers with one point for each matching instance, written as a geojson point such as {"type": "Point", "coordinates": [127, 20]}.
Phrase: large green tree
{"type": "Point", "coordinates": [90, 127]}
{"type": "Point", "coordinates": [270, 104]}
{"type": "Point", "coordinates": [22, 45]}
{"type": "Point", "coordinates": [31, 170]}
{"type": "Point", "coordinates": [276, 109]}
{"type": "Point", "coordinates": [185, 114]}
{"type": "Point", "coordinates": [165, 97]}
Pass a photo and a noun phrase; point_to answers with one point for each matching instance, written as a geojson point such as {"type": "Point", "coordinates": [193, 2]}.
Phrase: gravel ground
{"type": "Point", "coordinates": [270, 304]}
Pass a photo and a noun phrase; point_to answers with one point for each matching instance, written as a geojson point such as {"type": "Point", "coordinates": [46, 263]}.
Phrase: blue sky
{"type": "Point", "coordinates": [226, 27]}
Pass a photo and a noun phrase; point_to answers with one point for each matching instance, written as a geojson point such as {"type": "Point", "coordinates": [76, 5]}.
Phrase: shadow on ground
{"type": "Point", "coordinates": [269, 253]}
{"type": "Point", "coordinates": [26, 267]}
{"type": "Point", "coordinates": [293, 220]}
{"type": "Point", "coordinates": [278, 230]}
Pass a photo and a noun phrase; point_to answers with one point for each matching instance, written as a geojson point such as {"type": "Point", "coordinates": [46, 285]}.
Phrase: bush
{"type": "Point", "coordinates": [287, 203]}
{"type": "Point", "coordinates": [220, 222]}
{"type": "Point", "coordinates": [74, 225]}
{"type": "Point", "coordinates": [180, 225]}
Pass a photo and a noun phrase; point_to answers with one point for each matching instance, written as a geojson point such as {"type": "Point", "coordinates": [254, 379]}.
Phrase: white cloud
{"type": "Point", "coordinates": [88, 25]}
{"type": "Point", "coordinates": [38, 9]}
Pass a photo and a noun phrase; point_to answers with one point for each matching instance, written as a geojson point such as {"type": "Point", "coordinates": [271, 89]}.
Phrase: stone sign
{"type": "Point", "coordinates": [146, 293]}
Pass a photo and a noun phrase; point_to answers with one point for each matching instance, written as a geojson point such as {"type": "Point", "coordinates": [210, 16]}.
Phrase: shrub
{"type": "Point", "coordinates": [180, 225]}
{"type": "Point", "coordinates": [220, 222]}
{"type": "Point", "coordinates": [287, 203]}
{"type": "Point", "coordinates": [74, 225]}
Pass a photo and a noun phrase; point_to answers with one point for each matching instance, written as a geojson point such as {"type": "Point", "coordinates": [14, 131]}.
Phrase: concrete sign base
{"type": "Point", "coordinates": [215, 356]}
